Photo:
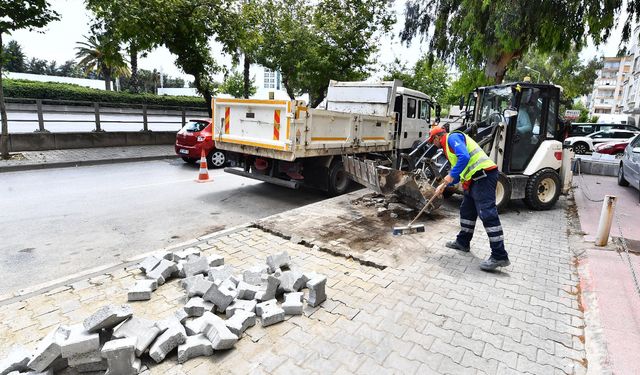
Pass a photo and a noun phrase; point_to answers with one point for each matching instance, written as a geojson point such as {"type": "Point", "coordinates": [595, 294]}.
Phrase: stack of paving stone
{"type": "Point", "coordinates": [220, 307]}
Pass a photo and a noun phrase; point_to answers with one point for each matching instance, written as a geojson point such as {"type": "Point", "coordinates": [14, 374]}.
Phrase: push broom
{"type": "Point", "coordinates": [418, 228]}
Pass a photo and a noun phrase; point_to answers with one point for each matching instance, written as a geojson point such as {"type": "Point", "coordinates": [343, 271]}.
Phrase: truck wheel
{"type": "Point", "coordinates": [339, 180]}
{"type": "Point", "coordinates": [216, 159]}
{"type": "Point", "coordinates": [503, 191]}
{"type": "Point", "coordinates": [543, 190]}
{"type": "Point", "coordinates": [621, 180]}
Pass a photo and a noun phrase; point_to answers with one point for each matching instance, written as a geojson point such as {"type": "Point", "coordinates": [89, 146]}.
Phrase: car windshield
{"type": "Point", "coordinates": [195, 126]}
{"type": "Point", "coordinates": [494, 101]}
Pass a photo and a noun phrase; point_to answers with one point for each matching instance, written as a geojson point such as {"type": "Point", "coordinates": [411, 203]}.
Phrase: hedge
{"type": "Point", "coordinates": [65, 91]}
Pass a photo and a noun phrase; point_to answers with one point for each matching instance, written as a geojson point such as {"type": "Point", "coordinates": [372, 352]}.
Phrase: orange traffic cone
{"type": "Point", "coordinates": [203, 176]}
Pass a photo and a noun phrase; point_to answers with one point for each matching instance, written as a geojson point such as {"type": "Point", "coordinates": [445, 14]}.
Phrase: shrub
{"type": "Point", "coordinates": [65, 91]}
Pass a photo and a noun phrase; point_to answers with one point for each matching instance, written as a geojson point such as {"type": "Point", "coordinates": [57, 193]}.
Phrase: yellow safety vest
{"type": "Point", "coordinates": [478, 159]}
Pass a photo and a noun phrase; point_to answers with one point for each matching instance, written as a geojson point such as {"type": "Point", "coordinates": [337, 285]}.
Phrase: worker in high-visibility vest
{"type": "Point", "coordinates": [479, 176]}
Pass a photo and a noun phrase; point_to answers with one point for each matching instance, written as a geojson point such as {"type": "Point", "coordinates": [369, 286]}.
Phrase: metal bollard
{"type": "Point", "coordinates": [606, 217]}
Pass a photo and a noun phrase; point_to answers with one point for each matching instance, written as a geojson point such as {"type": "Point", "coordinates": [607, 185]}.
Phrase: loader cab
{"type": "Point", "coordinates": [530, 115]}
{"type": "Point", "coordinates": [413, 117]}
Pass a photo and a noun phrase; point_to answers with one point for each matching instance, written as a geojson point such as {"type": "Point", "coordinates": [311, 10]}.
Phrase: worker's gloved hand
{"type": "Point", "coordinates": [441, 187]}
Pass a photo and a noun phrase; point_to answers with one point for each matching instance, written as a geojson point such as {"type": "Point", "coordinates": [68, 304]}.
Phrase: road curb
{"type": "Point", "coordinates": [46, 287]}
{"type": "Point", "coordinates": [67, 164]}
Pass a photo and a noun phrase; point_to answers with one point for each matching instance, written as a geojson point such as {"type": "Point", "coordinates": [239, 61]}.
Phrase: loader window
{"type": "Point", "coordinates": [494, 102]}
{"type": "Point", "coordinates": [411, 108]}
{"type": "Point", "coordinates": [552, 117]}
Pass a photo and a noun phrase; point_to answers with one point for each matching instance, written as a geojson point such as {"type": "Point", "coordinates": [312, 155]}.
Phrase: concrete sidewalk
{"type": "Point", "coordinates": [409, 306]}
{"type": "Point", "coordinates": [28, 160]}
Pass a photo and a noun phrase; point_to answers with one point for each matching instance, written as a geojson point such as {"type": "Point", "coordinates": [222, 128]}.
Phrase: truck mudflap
{"type": "Point", "coordinates": [413, 188]}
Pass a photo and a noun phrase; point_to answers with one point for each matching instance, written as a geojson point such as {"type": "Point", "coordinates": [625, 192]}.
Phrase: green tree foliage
{"type": "Point", "coordinates": [311, 43]}
{"type": "Point", "coordinates": [429, 78]}
{"type": "Point", "coordinates": [14, 58]}
{"type": "Point", "coordinates": [37, 66]}
{"type": "Point", "coordinates": [494, 33]}
{"type": "Point", "coordinates": [566, 70]}
{"type": "Point", "coordinates": [101, 54]}
{"type": "Point", "coordinates": [234, 86]}
{"type": "Point", "coordinates": [17, 15]}
{"type": "Point", "coordinates": [468, 77]}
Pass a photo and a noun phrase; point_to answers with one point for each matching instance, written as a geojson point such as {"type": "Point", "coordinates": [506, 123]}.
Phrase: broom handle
{"type": "Point", "coordinates": [423, 208]}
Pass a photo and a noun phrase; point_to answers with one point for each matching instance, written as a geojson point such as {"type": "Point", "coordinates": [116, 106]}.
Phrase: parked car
{"type": "Point", "coordinates": [583, 145]}
{"type": "Point", "coordinates": [629, 170]}
{"type": "Point", "coordinates": [195, 136]}
{"type": "Point", "coordinates": [578, 129]}
{"type": "Point", "coordinates": [612, 148]}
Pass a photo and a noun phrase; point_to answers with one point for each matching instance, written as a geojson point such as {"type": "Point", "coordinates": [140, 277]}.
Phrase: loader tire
{"type": "Point", "coordinates": [543, 190]}
{"type": "Point", "coordinates": [503, 191]}
{"type": "Point", "coordinates": [339, 180]}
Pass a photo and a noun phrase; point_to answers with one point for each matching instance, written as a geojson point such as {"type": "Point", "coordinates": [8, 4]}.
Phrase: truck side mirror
{"type": "Point", "coordinates": [461, 102]}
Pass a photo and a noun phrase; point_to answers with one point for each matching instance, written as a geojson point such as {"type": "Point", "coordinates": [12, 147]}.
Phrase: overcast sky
{"type": "Point", "coordinates": [58, 41]}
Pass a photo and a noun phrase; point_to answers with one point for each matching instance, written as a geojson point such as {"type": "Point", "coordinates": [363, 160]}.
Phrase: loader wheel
{"type": "Point", "coordinates": [339, 180]}
{"type": "Point", "coordinates": [543, 190]}
{"type": "Point", "coordinates": [503, 191]}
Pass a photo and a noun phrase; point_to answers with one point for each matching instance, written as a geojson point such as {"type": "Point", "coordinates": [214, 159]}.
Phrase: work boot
{"type": "Point", "coordinates": [457, 246]}
{"type": "Point", "coordinates": [492, 263]}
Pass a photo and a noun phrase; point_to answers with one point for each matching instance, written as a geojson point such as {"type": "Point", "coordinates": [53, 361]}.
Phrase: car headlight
{"type": "Point", "coordinates": [200, 138]}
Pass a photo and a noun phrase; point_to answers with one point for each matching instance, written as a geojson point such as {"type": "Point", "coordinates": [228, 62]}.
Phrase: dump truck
{"type": "Point", "coordinates": [286, 143]}
{"type": "Point", "coordinates": [517, 125]}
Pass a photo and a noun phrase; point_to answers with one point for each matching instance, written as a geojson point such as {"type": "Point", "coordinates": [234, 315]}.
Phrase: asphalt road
{"type": "Point", "coordinates": [57, 222]}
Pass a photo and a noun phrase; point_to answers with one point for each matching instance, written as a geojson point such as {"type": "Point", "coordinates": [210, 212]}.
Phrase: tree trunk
{"type": "Point", "coordinates": [206, 93]}
{"type": "Point", "coordinates": [247, 80]}
{"type": "Point", "coordinates": [4, 137]}
{"type": "Point", "coordinates": [285, 83]}
{"type": "Point", "coordinates": [134, 85]}
{"type": "Point", "coordinates": [107, 79]}
{"type": "Point", "coordinates": [496, 68]}
{"type": "Point", "coordinates": [315, 101]}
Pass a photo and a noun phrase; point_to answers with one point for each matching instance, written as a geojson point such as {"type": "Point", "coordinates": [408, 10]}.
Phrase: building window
{"type": "Point", "coordinates": [269, 79]}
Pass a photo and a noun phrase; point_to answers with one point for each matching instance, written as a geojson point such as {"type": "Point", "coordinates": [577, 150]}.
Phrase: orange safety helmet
{"type": "Point", "coordinates": [435, 131]}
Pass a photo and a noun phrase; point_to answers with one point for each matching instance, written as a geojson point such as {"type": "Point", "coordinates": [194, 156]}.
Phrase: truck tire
{"type": "Point", "coordinates": [621, 180]}
{"type": "Point", "coordinates": [216, 159]}
{"type": "Point", "coordinates": [339, 180]}
{"type": "Point", "coordinates": [503, 191]}
{"type": "Point", "coordinates": [543, 190]}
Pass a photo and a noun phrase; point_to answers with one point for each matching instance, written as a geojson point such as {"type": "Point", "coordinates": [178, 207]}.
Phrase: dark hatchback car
{"type": "Point", "coordinates": [578, 129]}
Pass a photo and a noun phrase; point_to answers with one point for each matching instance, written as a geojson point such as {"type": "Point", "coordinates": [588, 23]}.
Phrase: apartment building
{"type": "Point", "coordinates": [608, 88]}
{"type": "Point", "coordinates": [631, 94]}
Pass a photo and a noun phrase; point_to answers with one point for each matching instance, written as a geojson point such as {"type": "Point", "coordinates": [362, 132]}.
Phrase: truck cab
{"type": "Point", "coordinates": [413, 117]}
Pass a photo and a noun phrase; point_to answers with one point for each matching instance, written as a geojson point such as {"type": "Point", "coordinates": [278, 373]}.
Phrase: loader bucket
{"type": "Point", "coordinates": [413, 191]}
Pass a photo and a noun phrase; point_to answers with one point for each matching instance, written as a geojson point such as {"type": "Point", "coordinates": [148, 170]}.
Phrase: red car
{"type": "Point", "coordinates": [612, 148]}
{"type": "Point", "coordinates": [195, 136]}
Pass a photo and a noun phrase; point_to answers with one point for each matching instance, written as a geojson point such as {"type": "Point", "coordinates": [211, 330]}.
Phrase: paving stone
{"type": "Point", "coordinates": [194, 346]}
{"type": "Point", "coordinates": [162, 271]}
{"type": "Point", "coordinates": [149, 263]}
{"type": "Point", "coordinates": [142, 290]}
{"type": "Point", "coordinates": [196, 265]}
{"type": "Point", "coordinates": [220, 296]}
{"type": "Point", "coordinates": [184, 254]}
{"type": "Point", "coordinates": [215, 260]}
{"type": "Point", "coordinates": [317, 293]}
{"type": "Point", "coordinates": [144, 331]}
{"type": "Point", "coordinates": [179, 272]}
{"type": "Point", "coordinates": [15, 360]}
{"type": "Point", "coordinates": [120, 356]}
{"type": "Point", "coordinates": [255, 275]}
{"type": "Point", "coordinates": [238, 304]}
{"type": "Point", "coordinates": [196, 286]}
{"type": "Point", "coordinates": [293, 303]}
{"type": "Point", "coordinates": [217, 332]}
{"type": "Point", "coordinates": [194, 326]}
{"type": "Point", "coordinates": [48, 349]}
{"type": "Point", "coordinates": [271, 289]}
{"type": "Point", "coordinates": [220, 273]}
{"type": "Point", "coordinates": [240, 321]}
{"type": "Point", "coordinates": [247, 291]}
{"type": "Point", "coordinates": [79, 341]}
{"type": "Point", "coordinates": [92, 367]}
{"type": "Point", "coordinates": [195, 307]}
{"type": "Point", "coordinates": [278, 261]}
{"type": "Point", "coordinates": [107, 317]}
{"type": "Point", "coordinates": [91, 357]}
{"type": "Point", "coordinates": [181, 315]}
{"type": "Point", "coordinates": [169, 340]}
{"type": "Point", "coordinates": [292, 281]}
{"type": "Point", "coordinates": [269, 312]}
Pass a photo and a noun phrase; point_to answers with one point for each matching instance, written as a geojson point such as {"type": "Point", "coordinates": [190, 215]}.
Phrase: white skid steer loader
{"type": "Point", "coordinates": [516, 124]}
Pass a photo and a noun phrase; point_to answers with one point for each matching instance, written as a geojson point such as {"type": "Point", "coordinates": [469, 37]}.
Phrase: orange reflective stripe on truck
{"type": "Point", "coordinates": [227, 117]}
{"type": "Point", "coordinates": [276, 125]}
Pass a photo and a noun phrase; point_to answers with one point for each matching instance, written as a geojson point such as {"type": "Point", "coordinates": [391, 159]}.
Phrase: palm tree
{"type": "Point", "coordinates": [101, 54]}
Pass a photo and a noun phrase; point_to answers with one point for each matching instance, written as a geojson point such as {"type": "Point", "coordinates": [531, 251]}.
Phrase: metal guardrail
{"type": "Point", "coordinates": [98, 109]}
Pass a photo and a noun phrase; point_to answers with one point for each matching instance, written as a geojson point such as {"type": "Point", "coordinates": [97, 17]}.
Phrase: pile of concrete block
{"type": "Point", "coordinates": [220, 306]}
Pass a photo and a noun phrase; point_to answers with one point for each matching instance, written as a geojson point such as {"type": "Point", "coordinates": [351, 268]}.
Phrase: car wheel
{"type": "Point", "coordinates": [621, 180]}
{"type": "Point", "coordinates": [580, 148]}
{"type": "Point", "coordinates": [543, 190]}
{"type": "Point", "coordinates": [189, 160]}
{"type": "Point", "coordinates": [339, 180]}
{"type": "Point", "coordinates": [503, 191]}
{"type": "Point", "coordinates": [216, 159]}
